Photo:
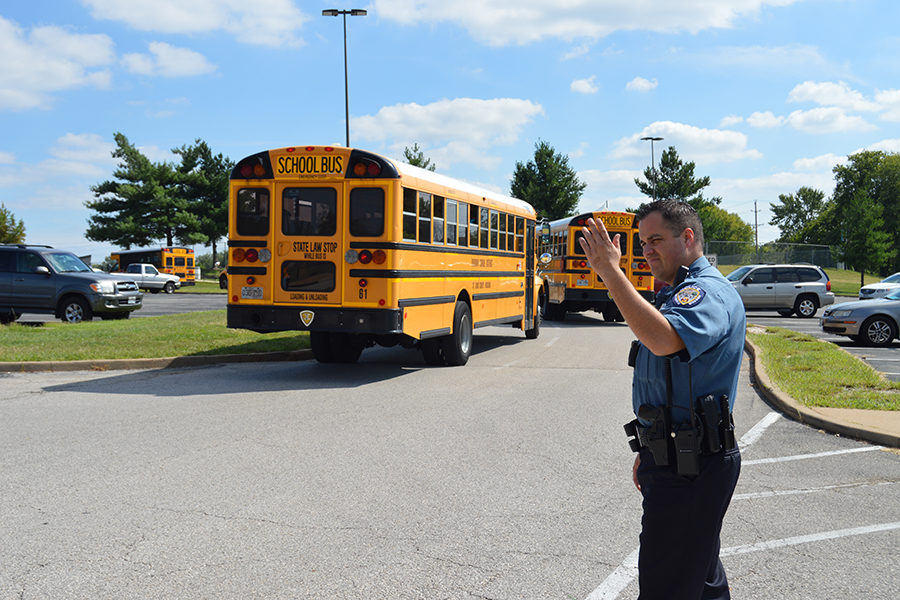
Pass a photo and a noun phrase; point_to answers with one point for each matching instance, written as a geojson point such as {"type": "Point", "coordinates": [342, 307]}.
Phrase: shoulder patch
{"type": "Point", "coordinates": [688, 296]}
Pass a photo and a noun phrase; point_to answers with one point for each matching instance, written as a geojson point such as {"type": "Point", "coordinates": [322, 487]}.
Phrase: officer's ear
{"type": "Point", "coordinates": [688, 236]}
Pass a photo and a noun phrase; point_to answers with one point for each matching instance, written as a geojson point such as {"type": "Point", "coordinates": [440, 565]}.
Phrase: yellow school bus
{"type": "Point", "coordinates": [361, 250]}
{"type": "Point", "coordinates": [569, 285]}
{"type": "Point", "coordinates": [174, 260]}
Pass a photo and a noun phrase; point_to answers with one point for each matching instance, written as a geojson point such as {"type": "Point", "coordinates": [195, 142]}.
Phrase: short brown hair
{"type": "Point", "coordinates": [677, 215]}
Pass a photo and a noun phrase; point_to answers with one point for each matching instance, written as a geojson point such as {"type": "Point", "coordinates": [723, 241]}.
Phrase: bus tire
{"type": "Point", "coordinates": [169, 287]}
{"type": "Point", "coordinates": [320, 344]}
{"type": "Point", "coordinates": [458, 345]}
{"type": "Point", "coordinates": [536, 330]}
{"type": "Point", "coordinates": [345, 347]}
{"type": "Point", "coordinates": [552, 312]}
{"type": "Point", "coordinates": [433, 352]}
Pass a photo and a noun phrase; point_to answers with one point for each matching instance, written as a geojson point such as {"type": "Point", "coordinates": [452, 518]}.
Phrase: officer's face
{"type": "Point", "coordinates": [664, 250]}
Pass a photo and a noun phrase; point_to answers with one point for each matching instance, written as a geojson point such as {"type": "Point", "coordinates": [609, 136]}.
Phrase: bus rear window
{"type": "Point", "coordinates": [309, 211]}
{"type": "Point", "coordinates": [252, 212]}
{"type": "Point", "coordinates": [307, 276]}
{"type": "Point", "coordinates": [367, 212]}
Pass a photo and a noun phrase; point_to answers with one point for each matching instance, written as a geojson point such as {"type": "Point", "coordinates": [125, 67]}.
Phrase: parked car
{"type": "Point", "coordinates": [870, 322]}
{"type": "Point", "coordinates": [41, 279]}
{"type": "Point", "coordinates": [788, 289]}
{"type": "Point", "coordinates": [149, 278]}
{"type": "Point", "coordinates": [880, 289]}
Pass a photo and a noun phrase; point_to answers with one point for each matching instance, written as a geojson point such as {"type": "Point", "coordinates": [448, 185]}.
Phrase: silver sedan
{"type": "Point", "coordinates": [871, 322]}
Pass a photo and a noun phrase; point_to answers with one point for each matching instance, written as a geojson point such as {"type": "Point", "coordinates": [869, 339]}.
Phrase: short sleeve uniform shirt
{"type": "Point", "coordinates": [708, 315]}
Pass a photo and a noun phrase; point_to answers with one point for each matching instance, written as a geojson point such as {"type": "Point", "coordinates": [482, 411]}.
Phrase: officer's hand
{"type": "Point", "coordinates": [602, 252]}
{"type": "Point", "coordinates": [634, 477]}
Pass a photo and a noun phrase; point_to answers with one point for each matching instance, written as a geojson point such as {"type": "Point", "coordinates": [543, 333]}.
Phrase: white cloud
{"type": "Point", "coordinates": [7, 158]}
{"type": "Point", "coordinates": [496, 22]}
{"type": "Point", "coordinates": [831, 94]}
{"type": "Point", "coordinates": [765, 120]}
{"type": "Point", "coordinates": [168, 61]}
{"type": "Point", "coordinates": [585, 86]}
{"type": "Point", "coordinates": [730, 121]}
{"type": "Point", "coordinates": [886, 145]}
{"type": "Point", "coordinates": [825, 162]}
{"type": "Point", "coordinates": [702, 146]}
{"type": "Point", "coordinates": [458, 130]}
{"type": "Point", "coordinates": [827, 120]}
{"type": "Point", "coordinates": [639, 84]}
{"type": "Point", "coordinates": [889, 100]}
{"type": "Point", "coordinates": [49, 59]}
{"type": "Point", "coordinates": [261, 22]}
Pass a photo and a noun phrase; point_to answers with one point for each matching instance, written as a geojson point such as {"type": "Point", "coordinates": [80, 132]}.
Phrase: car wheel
{"type": "Point", "coordinates": [169, 287]}
{"type": "Point", "coordinates": [76, 310]}
{"type": "Point", "coordinates": [878, 331]}
{"type": "Point", "coordinates": [806, 306]}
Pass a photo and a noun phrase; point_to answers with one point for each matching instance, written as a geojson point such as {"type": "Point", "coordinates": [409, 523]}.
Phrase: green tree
{"type": "Point", "coordinates": [794, 214]}
{"type": "Point", "coordinates": [416, 157]}
{"type": "Point", "coordinates": [203, 182]}
{"type": "Point", "coordinates": [866, 211]}
{"type": "Point", "coordinates": [142, 205]}
{"type": "Point", "coordinates": [547, 183]}
{"type": "Point", "coordinates": [675, 180]}
{"type": "Point", "coordinates": [12, 231]}
{"type": "Point", "coordinates": [719, 224]}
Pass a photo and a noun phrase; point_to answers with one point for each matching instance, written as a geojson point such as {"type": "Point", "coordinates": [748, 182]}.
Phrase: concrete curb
{"type": "Point", "coordinates": [808, 415]}
{"type": "Point", "coordinates": [173, 362]}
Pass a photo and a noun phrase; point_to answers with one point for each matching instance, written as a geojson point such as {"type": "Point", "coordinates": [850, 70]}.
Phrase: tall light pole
{"type": "Point", "coordinates": [652, 160]}
{"type": "Point", "coordinates": [356, 12]}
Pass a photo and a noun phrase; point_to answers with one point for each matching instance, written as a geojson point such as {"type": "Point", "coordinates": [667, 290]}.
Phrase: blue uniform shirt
{"type": "Point", "coordinates": [708, 314]}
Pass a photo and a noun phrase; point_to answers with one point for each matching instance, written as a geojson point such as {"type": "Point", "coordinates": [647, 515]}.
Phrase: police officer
{"type": "Point", "coordinates": [686, 365]}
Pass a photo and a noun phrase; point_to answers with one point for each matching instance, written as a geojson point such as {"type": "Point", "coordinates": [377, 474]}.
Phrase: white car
{"type": "Point", "coordinates": [880, 289]}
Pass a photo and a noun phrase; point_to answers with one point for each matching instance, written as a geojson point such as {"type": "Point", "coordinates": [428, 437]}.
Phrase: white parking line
{"type": "Point", "coordinates": [807, 539]}
{"type": "Point", "coordinates": [551, 341]}
{"type": "Point", "coordinates": [757, 430]}
{"type": "Point", "coordinates": [779, 459]}
{"type": "Point", "coordinates": [825, 488]}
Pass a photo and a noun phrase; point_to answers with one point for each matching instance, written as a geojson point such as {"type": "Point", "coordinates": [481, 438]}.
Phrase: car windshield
{"type": "Point", "coordinates": [895, 278]}
{"type": "Point", "coordinates": [738, 273]}
{"type": "Point", "coordinates": [66, 262]}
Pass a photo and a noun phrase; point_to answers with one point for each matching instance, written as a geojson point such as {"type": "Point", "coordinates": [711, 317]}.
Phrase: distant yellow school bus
{"type": "Point", "coordinates": [174, 260]}
{"type": "Point", "coordinates": [569, 285]}
{"type": "Point", "coordinates": [360, 250]}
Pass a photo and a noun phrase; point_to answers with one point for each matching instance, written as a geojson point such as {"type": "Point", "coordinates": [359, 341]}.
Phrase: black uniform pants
{"type": "Point", "coordinates": [679, 555]}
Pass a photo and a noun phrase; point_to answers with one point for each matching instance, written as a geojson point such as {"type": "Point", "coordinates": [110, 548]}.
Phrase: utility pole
{"type": "Point", "coordinates": [756, 229]}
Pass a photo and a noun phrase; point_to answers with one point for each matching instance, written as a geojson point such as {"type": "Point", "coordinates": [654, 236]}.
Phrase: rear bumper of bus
{"type": "Point", "coordinates": [315, 318]}
{"type": "Point", "coordinates": [593, 298]}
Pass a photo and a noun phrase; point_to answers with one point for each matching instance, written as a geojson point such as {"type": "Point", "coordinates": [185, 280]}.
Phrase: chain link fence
{"type": "Point", "coordinates": [747, 253]}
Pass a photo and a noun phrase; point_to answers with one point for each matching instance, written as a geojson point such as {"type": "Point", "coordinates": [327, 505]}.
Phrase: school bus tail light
{"type": "Point", "coordinates": [238, 254]}
{"type": "Point", "coordinates": [379, 257]}
{"type": "Point", "coordinates": [251, 255]}
{"type": "Point", "coordinates": [365, 257]}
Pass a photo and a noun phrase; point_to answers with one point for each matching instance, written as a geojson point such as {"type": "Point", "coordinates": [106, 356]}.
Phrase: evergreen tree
{"type": "Point", "coordinates": [11, 230]}
{"type": "Point", "coordinates": [141, 205]}
{"type": "Point", "coordinates": [203, 182]}
{"type": "Point", "coordinates": [547, 183]}
{"type": "Point", "coordinates": [416, 157]}
{"type": "Point", "coordinates": [675, 180]}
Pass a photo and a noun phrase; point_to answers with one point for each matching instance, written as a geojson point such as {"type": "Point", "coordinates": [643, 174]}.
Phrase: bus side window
{"type": "Point", "coordinates": [473, 226]}
{"type": "Point", "coordinates": [451, 221]}
{"type": "Point", "coordinates": [520, 234]}
{"type": "Point", "coordinates": [484, 227]}
{"type": "Point", "coordinates": [367, 212]}
{"type": "Point", "coordinates": [409, 215]}
{"type": "Point", "coordinates": [463, 224]}
{"type": "Point", "coordinates": [503, 217]}
{"type": "Point", "coordinates": [252, 212]}
{"type": "Point", "coordinates": [438, 220]}
{"type": "Point", "coordinates": [424, 217]}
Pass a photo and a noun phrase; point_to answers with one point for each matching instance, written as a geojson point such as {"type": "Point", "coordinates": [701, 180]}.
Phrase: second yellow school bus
{"type": "Point", "coordinates": [360, 250]}
{"type": "Point", "coordinates": [174, 260]}
{"type": "Point", "coordinates": [569, 285]}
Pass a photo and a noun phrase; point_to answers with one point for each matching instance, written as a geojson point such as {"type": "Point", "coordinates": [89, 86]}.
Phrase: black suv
{"type": "Point", "coordinates": [39, 279]}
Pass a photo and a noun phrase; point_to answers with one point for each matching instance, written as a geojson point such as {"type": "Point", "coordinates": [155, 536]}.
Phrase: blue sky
{"type": "Point", "coordinates": [765, 96]}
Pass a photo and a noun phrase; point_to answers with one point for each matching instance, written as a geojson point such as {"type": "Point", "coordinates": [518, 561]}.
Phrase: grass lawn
{"type": "Point", "coordinates": [818, 373]}
{"type": "Point", "coordinates": [196, 333]}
